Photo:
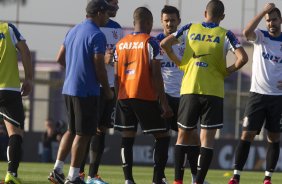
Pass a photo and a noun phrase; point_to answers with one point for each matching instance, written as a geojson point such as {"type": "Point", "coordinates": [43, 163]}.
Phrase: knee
{"type": "Point", "coordinates": [248, 136]}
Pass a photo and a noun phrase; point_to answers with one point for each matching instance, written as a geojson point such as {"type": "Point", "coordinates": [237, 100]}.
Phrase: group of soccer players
{"type": "Point", "coordinates": [178, 86]}
{"type": "Point", "coordinates": [169, 82]}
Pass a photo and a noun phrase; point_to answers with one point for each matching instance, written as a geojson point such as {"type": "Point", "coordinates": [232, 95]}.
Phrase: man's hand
{"type": "Point", "coordinates": [268, 7]}
{"type": "Point", "coordinates": [26, 87]}
{"type": "Point", "coordinates": [167, 111]}
{"type": "Point", "coordinates": [109, 94]}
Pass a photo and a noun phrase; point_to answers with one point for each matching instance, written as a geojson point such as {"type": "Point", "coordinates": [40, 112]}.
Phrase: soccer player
{"type": "Point", "coordinates": [11, 92]}
{"type": "Point", "coordinates": [113, 33]}
{"type": "Point", "coordinates": [172, 78]}
{"type": "Point", "coordinates": [139, 88]}
{"type": "Point", "coordinates": [82, 54]}
{"type": "Point", "coordinates": [202, 89]}
{"type": "Point", "coordinates": [264, 105]}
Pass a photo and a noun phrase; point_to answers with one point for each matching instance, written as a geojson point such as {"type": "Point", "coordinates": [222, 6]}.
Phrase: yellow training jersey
{"type": "Point", "coordinates": [9, 73]}
{"type": "Point", "coordinates": [204, 62]}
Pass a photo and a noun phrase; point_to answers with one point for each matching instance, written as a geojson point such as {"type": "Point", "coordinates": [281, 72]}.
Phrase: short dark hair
{"type": "Point", "coordinates": [142, 14]}
{"type": "Point", "coordinates": [170, 10]}
{"type": "Point", "coordinates": [275, 10]}
{"type": "Point", "coordinates": [215, 8]}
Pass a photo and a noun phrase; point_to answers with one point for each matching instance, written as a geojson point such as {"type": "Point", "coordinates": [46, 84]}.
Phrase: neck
{"type": "Point", "coordinates": [276, 34]}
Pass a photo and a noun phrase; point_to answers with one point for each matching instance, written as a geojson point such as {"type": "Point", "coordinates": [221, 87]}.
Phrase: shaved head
{"type": "Point", "coordinates": [215, 8]}
{"type": "Point", "coordinates": [142, 15]}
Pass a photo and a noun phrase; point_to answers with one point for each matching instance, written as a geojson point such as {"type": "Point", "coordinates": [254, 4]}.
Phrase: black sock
{"type": "Point", "coordinates": [14, 153]}
{"type": "Point", "coordinates": [204, 161]}
{"type": "Point", "coordinates": [97, 146]}
{"type": "Point", "coordinates": [272, 156]}
{"type": "Point", "coordinates": [193, 152]}
{"type": "Point", "coordinates": [180, 158]}
{"type": "Point", "coordinates": [127, 157]}
{"type": "Point", "coordinates": [160, 158]}
{"type": "Point", "coordinates": [241, 154]}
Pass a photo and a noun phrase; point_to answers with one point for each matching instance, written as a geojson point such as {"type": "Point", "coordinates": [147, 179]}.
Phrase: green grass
{"type": "Point", "coordinates": [36, 173]}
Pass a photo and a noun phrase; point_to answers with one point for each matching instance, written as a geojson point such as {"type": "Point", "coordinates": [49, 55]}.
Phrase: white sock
{"type": "Point", "coordinates": [73, 173]}
{"type": "Point", "coordinates": [59, 166]}
{"type": "Point", "coordinates": [267, 173]}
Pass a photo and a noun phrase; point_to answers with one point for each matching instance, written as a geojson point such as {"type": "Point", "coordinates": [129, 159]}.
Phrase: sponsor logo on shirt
{"type": "Point", "coordinates": [205, 38]}
{"type": "Point", "coordinates": [271, 57]}
{"type": "Point", "coordinates": [131, 45]}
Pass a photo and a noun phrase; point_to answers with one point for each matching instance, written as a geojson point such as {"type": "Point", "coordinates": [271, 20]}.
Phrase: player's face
{"type": "Point", "coordinates": [273, 23]}
{"type": "Point", "coordinates": [113, 3]}
{"type": "Point", "coordinates": [170, 23]}
{"type": "Point", "coordinates": [104, 18]}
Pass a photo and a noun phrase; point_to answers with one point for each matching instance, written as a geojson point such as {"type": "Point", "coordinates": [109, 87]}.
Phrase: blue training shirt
{"type": "Point", "coordinates": [82, 42]}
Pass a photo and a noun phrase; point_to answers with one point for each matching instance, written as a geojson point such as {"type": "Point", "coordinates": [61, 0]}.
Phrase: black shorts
{"type": "Point", "coordinates": [11, 107]}
{"type": "Point", "coordinates": [206, 109]}
{"type": "Point", "coordinates": [106, 110]}
{"type": "Point", "coordinates": [263, 109]}
{"type": "Point", "coordinates": [174, 104]}
{"type": "Point", "coordinates": [82, 114]}
{"type": "Point", "coordinates": [130, 112]}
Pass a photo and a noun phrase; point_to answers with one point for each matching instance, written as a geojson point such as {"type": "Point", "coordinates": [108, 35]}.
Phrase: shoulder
{"type": "Point", "coordinates": [160, 36]}
{"type": "Point", "coordinates": [182, 30]}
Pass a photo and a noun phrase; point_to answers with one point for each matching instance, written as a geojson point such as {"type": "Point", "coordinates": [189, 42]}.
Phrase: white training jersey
{"type": "Point", "coordinates": [267, 64]}
{"type": "Point", "coordinates": [172, 76]}
{"type": "Point", "coordinates": [113, 33]}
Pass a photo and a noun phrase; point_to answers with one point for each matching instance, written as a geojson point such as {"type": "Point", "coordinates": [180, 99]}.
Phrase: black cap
{"type": "Point", "coordinates": [95, 6]}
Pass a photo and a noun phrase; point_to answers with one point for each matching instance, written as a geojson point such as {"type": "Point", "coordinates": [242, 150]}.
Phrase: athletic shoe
{"type": "Point", "coordinates": [129, 182]}
{"type": "Point", "coordinates": [56, 178]}
{"type": "Point", "coordinates": [194, 180]}
{"type": "Point", "coordinates": [11, 179]}
{"type": "Point", "coordinates": [178, 182]}
{"type": "Point", "coordinates": [76, 181]}
{"type": "Point", "coordinates": [82, 175]}
{"type": "Point", "coordinates": [96, 180]}
{"type": "Point", "coordinates": [233, 181]}
{"type": "Point", "coordinates": [266, 182]}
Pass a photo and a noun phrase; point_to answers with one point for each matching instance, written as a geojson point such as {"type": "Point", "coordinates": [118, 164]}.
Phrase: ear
{"type": "Point", "coordinates": [222, 17]}
{"type": "Point", "coordinates": [179, 21]}
{"type": "Point", "coordinates": [206, 14]}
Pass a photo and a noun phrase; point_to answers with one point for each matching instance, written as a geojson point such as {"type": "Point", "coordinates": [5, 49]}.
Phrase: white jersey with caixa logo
{"type": "Point", "coordinates": [172, 76]}
{"type": "Point", "coordinates": [267, 64]}
{"type": "Point", "coordinates": [113, 33]}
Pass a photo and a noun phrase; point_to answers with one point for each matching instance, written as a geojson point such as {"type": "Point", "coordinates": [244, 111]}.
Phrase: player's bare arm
{"type": "Point", "coordinates": [102, 74]}
{"type": "Point", "coordinates": [26, 60]}
{"type": "Point", "coordinates": [61, 58]}
{"type": "Point", "coordinates": [241, 60]}
{"type": "Point", "coordinates": [109, 55]}
{"type": "Point", "coordinates": [159, 86]}
{"type": "Point", "coordinates": [116, 77]}
{"type": "Point", "coordinates": [249, 31]}
{"type": "Point", "coordinates": [166, 44]}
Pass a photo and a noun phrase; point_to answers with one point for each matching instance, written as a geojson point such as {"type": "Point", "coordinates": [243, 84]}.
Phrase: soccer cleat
{"type": "Point", "coordinates": [11, 179]}
{"type": "Point", "coordinates": [178, 182]}
{"type": "Point", "coordinates": [266, 181]}
{"type": "Point", "coordinates": [82, 175]}
{"type": "Point", "coordinates": [96, 180]}
{"type": "Point", "coordinates": [56, 178]}
{"type": "Point", "coordinates": [129, 182]}
{"type": "Point", "coordinates": [233, 181]}
{"type": "Point", "coordinates": [76, 181]}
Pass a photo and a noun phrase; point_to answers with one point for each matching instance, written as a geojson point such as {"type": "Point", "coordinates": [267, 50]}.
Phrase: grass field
{"type": "Point", "coordinates": [36, 173]}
